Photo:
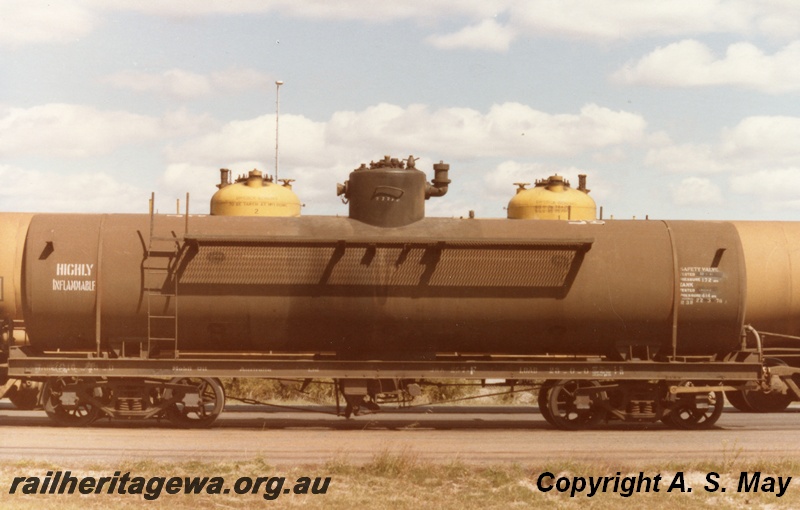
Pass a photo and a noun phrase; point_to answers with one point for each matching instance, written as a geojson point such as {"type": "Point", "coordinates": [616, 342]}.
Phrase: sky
{"type": "Point", "coordinates": [687, 109]}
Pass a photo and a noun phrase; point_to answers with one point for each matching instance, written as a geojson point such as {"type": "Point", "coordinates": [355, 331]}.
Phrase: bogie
{"type": "Point", "coordinates": [582, 404]}
{"type": "Point", "coordinates": [70, 401]}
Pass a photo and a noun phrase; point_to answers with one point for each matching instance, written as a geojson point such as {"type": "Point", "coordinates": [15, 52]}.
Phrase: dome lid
{"type": "Point", "coordinates": [254, 195]}
{"type": "Point", "coordinates": [552, 199]}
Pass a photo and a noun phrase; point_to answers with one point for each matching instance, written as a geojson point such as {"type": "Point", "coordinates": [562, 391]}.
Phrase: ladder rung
{"type": "Point", "coordinates": [160, 248]}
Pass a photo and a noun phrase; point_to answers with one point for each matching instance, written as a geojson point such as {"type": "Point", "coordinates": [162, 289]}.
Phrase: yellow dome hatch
{"type": "Point", "coordinates": [552, 199]}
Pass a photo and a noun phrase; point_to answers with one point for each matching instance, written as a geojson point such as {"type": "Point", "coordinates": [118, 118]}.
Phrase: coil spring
{"type": "Point", "coordinates": [641, 407]}
{"type": "Point", "coordinates": [129, 404]}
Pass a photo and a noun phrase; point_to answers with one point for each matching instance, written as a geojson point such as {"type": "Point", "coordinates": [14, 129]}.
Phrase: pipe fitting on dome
{"type": "Point", "coordinates": [440, 182]}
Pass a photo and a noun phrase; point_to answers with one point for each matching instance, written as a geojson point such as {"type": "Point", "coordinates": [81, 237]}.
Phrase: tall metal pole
{"type": "Point", "coordinates": [277, 114]}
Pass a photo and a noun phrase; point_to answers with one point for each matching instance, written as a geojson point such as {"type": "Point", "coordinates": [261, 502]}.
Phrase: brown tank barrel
{"type": "Point", "coordinates": [13, 229]}
{"type": "Point", "coordinates": [327, 284]}
{"type": "Point", "coordinates": [772, 250]}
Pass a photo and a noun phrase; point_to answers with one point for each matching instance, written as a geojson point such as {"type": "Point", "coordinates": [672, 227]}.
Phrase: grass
{"type": "Point", "coordinates": [404, 481]}
{"type": "Point", "coordinates": [322, 392]}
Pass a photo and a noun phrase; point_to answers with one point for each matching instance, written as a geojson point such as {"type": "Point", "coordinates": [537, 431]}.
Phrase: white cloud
{"type": "Point", "coordinates": [68, 130]}
{"type": "Point", "coordinates": [28, 21]}
{"type": "Point", "coordinates": [364, 10]}
{"type": "Point", "coordinates": [320, 154]}
{"type": "Point", "coordinates": [612, 155]}
{"type": "Point", "coordinates": [779, 18]}
{"type": "Point", "coordinates": [508, 129]}
{"type": "Point", "coordinates": [774, 185]}
{"type": "Point", "coordinates": [754, 143]}
{"type": "Point", "coordinates": [174, 83]}
{"type": "Point", "coordinates": [197, 180]}
{"type": "Point", "coordinates": [183, 122]}
{"type": "Point", "coordinates": [627, 19]}
{"type": "Point", "coordinates": [500, 181]}
{"type": "Point", "coordinates": [61, 192]}
{"type": "Point", "coordinates": [237, 79]}
{"type": "Point", "coordinates": [302, 141]}
{"type": "Point", "coordinates": [597, 19]}
{"type": "Point", "coordinates": [696, 191]}
{"type": "Point", "coordinates": [758, 158]}
{"type": "Point", "coordinates": [487, 35]}
{"type": "Point", "coordinates": [42, 21]}
{"type": "Point", "coordinates": [764, 138]}
{"type": "Point", "coordinates": [687, 158]}
{"type": "Point", "coordinates": [607, 20]}
{"type": "Point", "coordinates": [189, 8]}
{"type": "Point", "coordinates": [690, 63]}
{"type": "Point", "coordinates": [185, 85]}
{"type": "Point", "coordinates": [772, 189]}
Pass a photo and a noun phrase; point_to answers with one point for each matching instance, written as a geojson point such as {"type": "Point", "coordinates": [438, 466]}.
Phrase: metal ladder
{"type": "Point", "coordinates": [161, 288]}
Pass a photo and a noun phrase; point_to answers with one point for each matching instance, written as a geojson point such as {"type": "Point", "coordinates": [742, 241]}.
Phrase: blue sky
{"type": "Point", "coordinates": [681, 109]}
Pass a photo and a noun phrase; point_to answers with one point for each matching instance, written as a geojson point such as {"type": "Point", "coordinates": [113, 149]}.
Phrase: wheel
{"type": "Point", "coordinates": [198, 402]}
{"type": "Point", "coordinates": [695, 411]}
{"type": "Point", "coordinates": [772, 402]}
{"type": "Point", "coordinates": [738, 400]}
{"type": "Point", "coordinates": [66, 401]}
{"type": "Point", "coordinates": [573, 405]}
{"type": "Point", "coordinates": [544, 401]}
{"type": "Point", "coordinates": [25, 396]}
{"type": "Point", "coordinates": [759, 401]}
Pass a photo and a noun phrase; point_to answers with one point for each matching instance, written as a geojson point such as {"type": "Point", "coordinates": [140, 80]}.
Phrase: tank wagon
{"type": "Point", "coordinates": [137, 316]}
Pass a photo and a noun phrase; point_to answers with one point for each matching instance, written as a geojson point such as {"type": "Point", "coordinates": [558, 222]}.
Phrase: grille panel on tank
{"type": "Point", "coordinates": [395, 265]}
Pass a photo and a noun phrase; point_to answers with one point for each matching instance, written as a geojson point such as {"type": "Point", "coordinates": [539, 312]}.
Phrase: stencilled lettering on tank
{"type": "Point", "coordinates": [700, 285]}
{"type": "Point", "coordinates": [82, 278]}
{"type": "Point", "coordinates": [74, 269]}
